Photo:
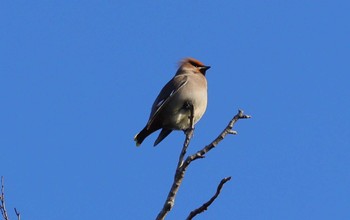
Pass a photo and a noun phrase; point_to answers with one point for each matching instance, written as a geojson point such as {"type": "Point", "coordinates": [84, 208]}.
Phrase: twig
{"type": "Point", "coordinates": [18, 214]}
{"type": "Point", "coordinates": [3, 206]}
{"type": "Point", "coordinates": [222, 135]}
{"type": "Point", "coordinates": [205, 206]}
{"type": "Point", "coordinates": [3, 203]}
{"type": "Point", "coordinates": [182, 165]}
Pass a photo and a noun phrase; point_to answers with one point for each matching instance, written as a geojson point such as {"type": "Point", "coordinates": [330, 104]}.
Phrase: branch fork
{"type": "Point", "coordinates": [183, 164]}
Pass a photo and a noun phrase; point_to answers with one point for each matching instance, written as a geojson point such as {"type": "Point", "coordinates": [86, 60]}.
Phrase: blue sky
{"type": "Point", "coordinates": [78, 79]}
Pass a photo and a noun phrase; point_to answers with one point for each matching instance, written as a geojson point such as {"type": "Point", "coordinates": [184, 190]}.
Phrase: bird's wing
{"type": "Point", "coordinates": [170, 89]}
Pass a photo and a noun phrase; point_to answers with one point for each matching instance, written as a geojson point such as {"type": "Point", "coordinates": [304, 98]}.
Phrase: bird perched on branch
{"type": "Point", "coordinates": [170, 110]}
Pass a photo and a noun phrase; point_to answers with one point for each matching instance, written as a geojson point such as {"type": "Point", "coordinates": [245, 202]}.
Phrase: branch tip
{"type": "Point", "coordinates": [245, 116]}
{"type": "Point", "coordinates": [226, 179]}
{"type": "Point", "coordinates": [206, 205]}
{"type": "Point", "coordinates": [241, 114]}
{"type": "Point", "coordinates": [232, 132]}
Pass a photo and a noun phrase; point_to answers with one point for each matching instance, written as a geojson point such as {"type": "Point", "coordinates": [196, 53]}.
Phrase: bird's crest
{"type": "Point", "coordinates": [192, 61]}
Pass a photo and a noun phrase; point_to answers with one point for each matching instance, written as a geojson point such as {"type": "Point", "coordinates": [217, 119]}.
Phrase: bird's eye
{"type": "Point", "coordinates": [194, 64]}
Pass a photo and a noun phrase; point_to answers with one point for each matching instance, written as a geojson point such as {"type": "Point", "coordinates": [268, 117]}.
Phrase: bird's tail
{"type": "Point", "coordinates": [163, 134]}
{"type": "Point", "coordinates": [140, 137]}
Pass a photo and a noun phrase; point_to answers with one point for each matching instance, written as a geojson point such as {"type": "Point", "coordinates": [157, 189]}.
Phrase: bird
{"type": "Point", "coordinates": [170, 111]}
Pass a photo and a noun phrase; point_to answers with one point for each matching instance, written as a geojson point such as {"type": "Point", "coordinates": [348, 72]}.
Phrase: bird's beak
{"type": "Point", "coordinates": [203, 69]}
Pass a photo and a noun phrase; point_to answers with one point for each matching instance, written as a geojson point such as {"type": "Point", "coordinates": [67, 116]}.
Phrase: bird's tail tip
{"type": "Point", "coordinates": [138, 143]}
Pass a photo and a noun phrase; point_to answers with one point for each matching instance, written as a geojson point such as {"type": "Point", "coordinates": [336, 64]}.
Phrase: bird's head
{"type": "Point", "coordinates": [191, 65]}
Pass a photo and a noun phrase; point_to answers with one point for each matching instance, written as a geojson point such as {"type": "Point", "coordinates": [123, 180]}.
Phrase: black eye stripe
{"type": "Point", "coordinates": [195, 64]}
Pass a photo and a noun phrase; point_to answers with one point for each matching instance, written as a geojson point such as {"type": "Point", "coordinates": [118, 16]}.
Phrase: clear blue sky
{"type": "Point", "coordinates": [78, 78]}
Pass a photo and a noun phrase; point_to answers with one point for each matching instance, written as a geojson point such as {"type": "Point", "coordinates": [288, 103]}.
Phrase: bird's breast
{"type": "Point", "coordinates": [178, 117]}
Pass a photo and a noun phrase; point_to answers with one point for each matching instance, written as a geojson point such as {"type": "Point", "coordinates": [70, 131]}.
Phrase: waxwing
{"type": "Point", "coordinates": [170, 109]}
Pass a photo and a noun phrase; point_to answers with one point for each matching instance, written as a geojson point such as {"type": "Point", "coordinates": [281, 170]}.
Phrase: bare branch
{"type": "Point", "coordinates": [183, 164]}
{"type": "Point", "coordinates": [222, 135]}
{"type": "Point", "coordinates": [206, 205]}
{"type": "Point", "coordinates": [3, 203]}
{"type": "Point", "coordinates": [179, 173]}
{"type": "Point", "coordinates": [2, 198]}
{"type": "Point", "coordinates": [18, 214]}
